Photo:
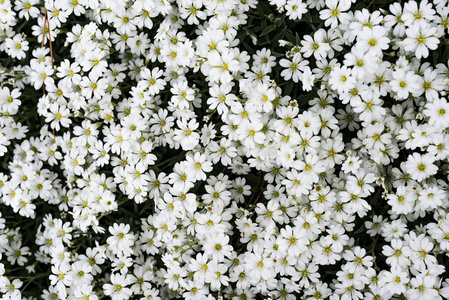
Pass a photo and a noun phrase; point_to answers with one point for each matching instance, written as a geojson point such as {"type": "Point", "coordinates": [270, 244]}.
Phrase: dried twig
{"type": "Point", "coordinates": [49, 37]}
{"type": "Point", "coordinates": [42, 44]}
{"type": "Point", "coordinates": [47, 22]}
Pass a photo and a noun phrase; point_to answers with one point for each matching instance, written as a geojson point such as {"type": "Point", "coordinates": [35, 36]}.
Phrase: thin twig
{"type": "Point", "coordinates": [43, 29]}
{"type": "Point", "coordinates": [42, 45]}
{"type": "Point", "coordinates": [47, 21]}
{"type": "Point", "coordinates": [49, 38]}
{"type": "Point", "coordinates": [370, 4]}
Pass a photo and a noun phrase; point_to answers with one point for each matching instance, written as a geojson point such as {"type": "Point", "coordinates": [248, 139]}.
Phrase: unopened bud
{"type": "Point", "coordinates": [254, 40]}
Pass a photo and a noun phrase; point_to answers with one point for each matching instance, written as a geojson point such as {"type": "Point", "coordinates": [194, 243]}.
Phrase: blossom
{"type": "Point", "coordinates": [198, 166]}
{"type": "Point", "coordinates": [404, 83]}
{"type": "Point", "coordinates": [177, 149]}
{"type": "Point", "coordinates": [436, 111]}
{"type": "Point", "coordinates": [341, 79]}
{"type": "Point", "coordinates": [420, 166]}
{"type": "Point", "coordinates": [395, 280]}
{"type": "Point", "coordinates": [151, 80]}
{"type": "Point", "coordinates": [295, 9]}
{"type": "Point", "coordinates": [117, 288]}
{"type": "Point", "coordinates": [217, 247]}
{"type": "Point", "coordinates": [334, 10]}
{"type": "Point", "coordinates": [120, 240]}
{"type": "Point", "coordinates": [17, 47]}
{"type": "Point", "coordinates": [420, 38]}
{"type": "Point", "coordinates": [293, 68]}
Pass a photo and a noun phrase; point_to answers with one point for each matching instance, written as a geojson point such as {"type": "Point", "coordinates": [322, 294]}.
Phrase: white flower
{"type": "Point", "coordinates": [17, 47]}
{"type": "Point", "coordinates": [373, 39]}
{"type": "Point", "coordinates": [315, 45]}
{"type": "Point", "coordinates": [293, 68]}
{"type": "Point", "coordinates": [395, 280]}
{"type": "Point", "coordinates": [438, 111]}
{"type": "Point", "coordinates": [398, 254]}
{"type": "Point", "coordinates": [220, 67]}
{"type": "Point", "coordinates": [85, 291]}
{"type": "Point", "coordinates": [120, 240]}
{"type": "Point", "coordinates": [417, 13]}
{"type": "Point", "coordinates": [16, 254]}
{"type": "Point", "coordinates": [217, 247]}
{"type": "Point", "coordinates": [186, 135]}
{"type": "Point", "coordinates": [294, 240]}
{"type": "Point", "coordinates": [118, 289]}
{"type": "Point", "coordinates": [403, 201]}
{"type": "Point", "coordinates": [405, 83]}
{"type": "Point", "coordinates": [420, 38]}
{"type": "Point", "coordinates": [295, 9]}
{"type": "Point", "coordinates": [27, 8]}
{"type": "Point", "coordinates": [423, 287]}
{"type": "Point", "coordinates": [420, 166]}
{"type": "Point", "coordinates": [308, 80]}
{"type": "Point", "coordinates": [259, 267]}
{"type": "Point", "coordinates": [334, 10]}
{"type": "Point", "coordinates": [341, 79]}
{"type": "Point", "coordinates": [151, 80]}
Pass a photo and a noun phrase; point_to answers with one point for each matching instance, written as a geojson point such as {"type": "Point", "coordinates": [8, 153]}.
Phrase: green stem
{"type": "Point", "coordinates": [373, 253]}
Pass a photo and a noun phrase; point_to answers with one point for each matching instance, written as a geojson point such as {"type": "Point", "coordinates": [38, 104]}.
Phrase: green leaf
{"type": "Point", "coordinates": [248, 47]}
{"type": "Point", "coordinates": [260, 11]}
{"type": "Point", "coordinates": [279, 21]}
{"type": "Point", "coordinates": [360, 230]}
{"type": "Point", "coordinates": [307, 97]}
{"type": "Point", "coordinates": [290, 37]}
{"type": "Point", "coordinates": [268, 30]}
{"type": "Point", "coordinates": [276, 76]}
{"type": "Point", "coordinates": [298, 40]}
{"type": "Point", "coordinates": [277, 54]}
{"type": "Point", "coordinates": [265, 8]}
{"type": "Point", "coordinates": [289, 88]}
{"type": "Point", "coordinates": [281, 34]}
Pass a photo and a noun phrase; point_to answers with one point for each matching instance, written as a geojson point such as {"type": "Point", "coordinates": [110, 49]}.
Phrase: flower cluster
{"type": "Point", "coordinates": [150, 152]}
